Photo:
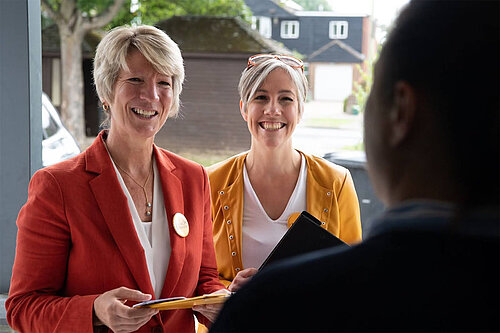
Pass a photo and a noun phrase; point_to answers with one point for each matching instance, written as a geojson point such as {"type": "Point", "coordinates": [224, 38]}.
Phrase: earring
{"type": "Point", "coordinates": [105, 106]}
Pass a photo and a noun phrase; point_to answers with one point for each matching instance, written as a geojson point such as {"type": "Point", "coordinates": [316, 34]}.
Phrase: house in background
{"type": "Point", "coordinates": [215, 51]}
{"type": "Point", "coordinates": [332, 44]}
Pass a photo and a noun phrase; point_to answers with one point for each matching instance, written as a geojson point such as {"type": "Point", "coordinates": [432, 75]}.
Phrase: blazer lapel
{"type": "Point", "coordinates": [113, 205]}
{"type": "Point", "coordinates": [174, 203]}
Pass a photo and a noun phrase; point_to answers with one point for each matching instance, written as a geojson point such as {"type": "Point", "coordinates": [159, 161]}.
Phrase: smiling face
{"type": "Point", "coordinates": [142, 99]}
{"type": "Point", "coordinates": [273, 112]}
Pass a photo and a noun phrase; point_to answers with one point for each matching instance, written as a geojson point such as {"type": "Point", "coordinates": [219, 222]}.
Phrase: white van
{"type": "Point", "coordinates": [58, 144]}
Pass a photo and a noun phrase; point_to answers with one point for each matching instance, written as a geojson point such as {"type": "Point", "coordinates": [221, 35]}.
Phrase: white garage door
{"type": "Point", "coordinates": [332, 82]}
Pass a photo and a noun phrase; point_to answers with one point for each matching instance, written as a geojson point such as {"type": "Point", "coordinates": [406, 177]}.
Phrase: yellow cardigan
{"type": "Point", "coordinates": [331, 198]}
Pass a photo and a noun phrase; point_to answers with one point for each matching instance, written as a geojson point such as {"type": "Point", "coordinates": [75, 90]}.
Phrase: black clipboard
{"type": "Point", "coordinates": [305, 235]}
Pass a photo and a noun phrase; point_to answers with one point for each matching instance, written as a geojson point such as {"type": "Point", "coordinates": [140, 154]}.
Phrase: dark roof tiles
{"type": "Point", "coordinates": [193, 34]}
{"type": "Point", "coordinates": [216, 34]}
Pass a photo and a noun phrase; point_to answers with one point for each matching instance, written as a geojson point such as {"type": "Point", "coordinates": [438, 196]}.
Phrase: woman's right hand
{"type": "Point", "coordinates": [242, 278]}
{"type": "Point", "coordinates": [111, 311]}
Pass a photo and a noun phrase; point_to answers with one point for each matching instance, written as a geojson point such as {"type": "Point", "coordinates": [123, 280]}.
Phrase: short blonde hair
{"type": "Point", "coordinates": [154, 44]}
{"type": "Point", "coordinates": [253, 77]}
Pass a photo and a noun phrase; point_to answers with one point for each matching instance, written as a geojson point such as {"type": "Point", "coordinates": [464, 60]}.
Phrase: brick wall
{"type": "Point", "coordinates": [209, 117]}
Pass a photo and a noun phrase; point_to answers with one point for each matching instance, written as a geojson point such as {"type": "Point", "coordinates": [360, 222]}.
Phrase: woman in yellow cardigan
{"type": "Point", "coordinates": [256, 195]}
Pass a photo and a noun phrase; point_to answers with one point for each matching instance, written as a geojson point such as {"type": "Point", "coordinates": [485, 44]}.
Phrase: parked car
{"type": "Point", "coordinates": [58, 144]}
{"type": "Point", "coordinates": [369, 205]}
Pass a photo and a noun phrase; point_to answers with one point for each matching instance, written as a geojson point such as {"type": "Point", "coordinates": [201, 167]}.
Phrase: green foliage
{"type": "Point", "coordinates": [362, 88]}
{"type": "Point", "coordinates": [153, 11]}
{"type": "Point", "coordinates": [123, 17]}
{"type": "Point", "coordinates": [54, 4]}
{"type": "Point", "coordinates": [93, 7]}
{"type": "Point", "coordinates": [88, 8]}
{"type": "Point", "coordinates": [46, 22]}
{"type": "Point", "coordinates": [314, 5]}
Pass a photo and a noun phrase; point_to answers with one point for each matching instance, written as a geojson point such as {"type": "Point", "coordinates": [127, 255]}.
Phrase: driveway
{"type": "Point", "coordinates": [319, 139]}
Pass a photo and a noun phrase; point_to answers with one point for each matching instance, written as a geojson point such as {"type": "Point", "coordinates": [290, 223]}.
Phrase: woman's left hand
{"type": "Point", "coordinates": [210, 311]}
{"type": "Point", "coordinates": [242, 278]}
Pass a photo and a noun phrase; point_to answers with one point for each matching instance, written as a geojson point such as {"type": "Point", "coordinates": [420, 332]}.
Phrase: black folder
{"type": "Point", "coordinates": [305, 235]}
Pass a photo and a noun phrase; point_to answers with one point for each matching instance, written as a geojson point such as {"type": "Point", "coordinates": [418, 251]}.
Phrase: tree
{"type": "Point", "coordinates": [314, 5]}
{"type": "Point", "coordinates": [75, 18]}
{"type": "Point", "coordinates": [153, 11]}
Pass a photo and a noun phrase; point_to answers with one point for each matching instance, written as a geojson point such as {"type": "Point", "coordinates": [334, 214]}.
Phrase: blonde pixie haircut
{"type": "Point", "coordinates": [253, 77]}
{"type": "Point", "coordinates": [154, 44]}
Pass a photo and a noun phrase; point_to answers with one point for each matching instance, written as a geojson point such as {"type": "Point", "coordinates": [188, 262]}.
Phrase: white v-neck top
{"type": "Point", "coordinates": [154, 236]}
{"type": "Point", "coordinates": [260, 233]}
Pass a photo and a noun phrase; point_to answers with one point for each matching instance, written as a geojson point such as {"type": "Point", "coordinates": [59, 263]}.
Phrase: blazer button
{"type": "Point", "coordinates": [221, 192]}
{"type": "Point", "coordinates": [323, 223]}
{"type": "Point", "coordinates": [231, 236]}
{"type": "Point", "coordinates": [228, 221]}
{"type": "Point", "coordinates": [226, 207]}
{"type": "Point", "coordinates": [233, 254]}
{"type": "Point", "coordinates": [237, 269]}
{"type": "Point", "coordinates": [325, 210]}
{"type": "Point", "coordinates": [328, 193]}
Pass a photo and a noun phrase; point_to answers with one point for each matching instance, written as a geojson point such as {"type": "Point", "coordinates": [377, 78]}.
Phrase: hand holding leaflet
{"type": "Point", "coordinates": [211, 311]}
{"type": "Point", "coordinates": [183, 302]}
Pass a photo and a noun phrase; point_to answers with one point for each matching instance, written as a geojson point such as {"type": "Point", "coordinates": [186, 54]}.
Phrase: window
{"type": "Point", "coordinates": [338, 29]}
{"type": "Point", "coordinates": [289, 29]}
{"type": "Point", "coordinates": [263, 25]}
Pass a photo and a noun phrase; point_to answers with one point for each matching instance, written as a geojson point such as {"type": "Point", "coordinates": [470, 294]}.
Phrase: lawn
{"type": "Point", "coordinates": [206, 158]}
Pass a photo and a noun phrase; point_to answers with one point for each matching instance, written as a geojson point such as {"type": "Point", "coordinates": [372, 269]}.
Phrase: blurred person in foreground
{"type": "Point", "coordinates": [123, 222]}
{"type": "Point", "coordinates": [257, 195]}
{"type": "Point", "coordinates": [431, 135]}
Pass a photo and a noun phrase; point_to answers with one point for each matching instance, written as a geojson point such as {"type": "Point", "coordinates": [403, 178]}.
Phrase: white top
{"type": "Point", "coordinates": [154, 236]}
{"type": "Point", "coordinates": [260, 233]}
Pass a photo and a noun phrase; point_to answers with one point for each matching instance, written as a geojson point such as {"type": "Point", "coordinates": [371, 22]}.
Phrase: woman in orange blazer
{"type": "Point", "coordinates": [257, 195]}
{"type": "Point", "coordinates": [123, 222]}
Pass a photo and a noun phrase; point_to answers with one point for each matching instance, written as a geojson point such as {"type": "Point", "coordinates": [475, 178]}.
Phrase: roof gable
{"type": "Point", "coordinates": [340, 49]}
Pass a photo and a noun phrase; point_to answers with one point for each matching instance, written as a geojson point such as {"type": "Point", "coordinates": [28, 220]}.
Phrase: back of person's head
{"type": "Point", "coordinates": [448, 51]}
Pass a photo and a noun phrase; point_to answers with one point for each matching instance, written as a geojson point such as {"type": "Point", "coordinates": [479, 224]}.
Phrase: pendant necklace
{"type": "Point", "coordinates": [148, 203]}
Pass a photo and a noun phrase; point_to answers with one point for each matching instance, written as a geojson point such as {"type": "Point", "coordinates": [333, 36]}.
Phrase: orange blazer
{"type": "Point", "coordinates": [76, 240]}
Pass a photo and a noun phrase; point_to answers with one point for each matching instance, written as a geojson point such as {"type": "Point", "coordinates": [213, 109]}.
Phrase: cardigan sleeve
{"type": "Point", "coordinates": [350, 220]}
{"type": "Point", "coordinates": [39, 271]}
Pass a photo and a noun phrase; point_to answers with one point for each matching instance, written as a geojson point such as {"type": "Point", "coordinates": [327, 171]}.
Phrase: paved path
{"type": "Point", "coordinates": [319, 141]}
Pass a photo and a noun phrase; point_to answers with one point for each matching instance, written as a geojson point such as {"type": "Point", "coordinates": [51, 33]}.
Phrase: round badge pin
{"type": "Point", "coordinates": [181, 225]}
